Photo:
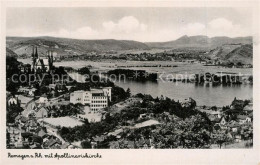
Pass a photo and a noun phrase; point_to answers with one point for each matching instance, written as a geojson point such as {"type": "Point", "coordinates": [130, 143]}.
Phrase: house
{"type": "Point", "coordinates": [234, 129]}
{"type": "Point", "coordinates": [114, 145]}
{"type": "Point", "coordinates": [15, 134]}
{"type": "Point", "coordinates": [238, 138]}
{"type": "Point", "coordinates": [234, 126]}
{"type": "Point", "coordinates": [35, 109]}
{"type": "Point", "coordinates": [65, 145]}
{"type": "Point", "coordinates": [99, 138]}
{"type": "Point", "coordinates": [42, 132]}
{"type": "Point", "coordinates": [41, 112]}
{"type": "Point", "coordinates": [12, 101]}
{"type": "Point", "coordinates": [27, 91]}
{"type": "Point", "coordinates": [188, 103]}
{"type": "Point", "coordinates": [248, 108]}
{"type": "Point", "coordinates": [203, 62]}
{"type": "Point", "coordinates": [247, 66]}
{"type": "Point", "coordinates": [223, 121]}
{"type": "Point", "coordinates": [43, 99]}
{"type": "Point", "coordinates": [52, 143]}
{"type": "Point", "coordinates": [242, 119]}
{"type": "Point", "coordinates": [143, 116]}
{"type": "Point", "coordinates": [19, 144]}
{"type": "Point", "coordinates": [229, 135]}
{"type": "Point", "coordinates": [31, 125]}
{"type": "Point", "coordinates": [52, 86]}
{"type": "Point", "coordinates": [23, 100]}
{"type": "Point", "coordinates": [218, 121]}
{"type": "Point", "coordinates": [59, 87]}
{"type": "Point", "coordinates": [21, 119]}
{"type": "Point", "coordinates": [216, 114]}
{"type": "Point", "coordinates": [214, 119]}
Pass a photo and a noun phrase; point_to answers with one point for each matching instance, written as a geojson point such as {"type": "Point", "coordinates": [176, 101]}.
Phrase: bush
{"type": "Point", "coordinates": [86, 144]}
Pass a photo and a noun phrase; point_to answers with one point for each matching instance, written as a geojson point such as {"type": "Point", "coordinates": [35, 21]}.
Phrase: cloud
{"type": "Point", "coordinates": [194, 29]}
{"type": "Point", "coordinates": [221, 23]}
{"type": "Point", "coordinates": [126, 24]}
{"type": "Point", "coordinates": [225, 27]}
{"type": "Point", "coordinates": [80, 33]}
{"type": "Point", "coordinates": [130, 28]}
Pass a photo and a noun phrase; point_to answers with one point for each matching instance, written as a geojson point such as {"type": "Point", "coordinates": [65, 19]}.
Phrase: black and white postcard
{"type": "Point", "coordinates": [116, 82]}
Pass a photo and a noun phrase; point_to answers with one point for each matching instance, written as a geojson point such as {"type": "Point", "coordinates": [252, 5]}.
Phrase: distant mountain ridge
{"type": "Point", "coordinates": [218, 47]}
{"type": "Point", "coordinates": [21, 45]}
{"type": "Point", "coordinates": [200, 41]}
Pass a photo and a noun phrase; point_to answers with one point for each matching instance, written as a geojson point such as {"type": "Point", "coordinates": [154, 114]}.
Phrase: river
{"type": "Point", "coordinates": [203, 94]}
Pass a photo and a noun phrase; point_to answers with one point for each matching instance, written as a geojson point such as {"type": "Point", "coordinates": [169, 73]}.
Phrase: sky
{"type": "Point", "coordinates": [139, 24]}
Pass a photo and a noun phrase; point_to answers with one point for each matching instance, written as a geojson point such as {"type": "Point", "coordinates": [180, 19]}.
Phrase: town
{"type": "Point", "coordinates": [184, 55]}
{"type": "Point", "coordinates": [47, 112]}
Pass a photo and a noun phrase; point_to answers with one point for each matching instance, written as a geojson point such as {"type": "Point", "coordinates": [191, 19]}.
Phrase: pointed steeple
{"type": "Point", "coordinates": [33, 51]}
{"type": "Point", "coordinates": [36, 52]}
{"type": "Point", "coordinates": [52, 57]}
{"type": "Point", "coordinates": [49, 58]}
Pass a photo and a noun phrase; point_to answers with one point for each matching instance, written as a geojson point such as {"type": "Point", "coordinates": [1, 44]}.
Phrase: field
{"type": "Point", "coordinates": [63, 121]}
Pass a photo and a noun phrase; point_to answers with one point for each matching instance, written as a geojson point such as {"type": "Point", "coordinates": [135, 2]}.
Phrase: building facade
{"type": "Point", "coordinates": [42, 64]}
{"type": "Point", "coordinates": [95, 98]}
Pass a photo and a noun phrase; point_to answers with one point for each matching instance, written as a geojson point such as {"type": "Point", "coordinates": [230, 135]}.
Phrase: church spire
{"type": "Point", "coordinates": [36, 52]}
{"type": "Point", "coordinates": [33, 51]}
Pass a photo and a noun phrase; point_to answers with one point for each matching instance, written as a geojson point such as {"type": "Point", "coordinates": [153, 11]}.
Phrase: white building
{"type": "Point", "coordinates": [12, 101]}
{"type": "Point", "coordinates": [43, 99]}
{"type": "Point", "coordinates": [95, 98]}
{"type": "Point", "coordinates": [27, 91]}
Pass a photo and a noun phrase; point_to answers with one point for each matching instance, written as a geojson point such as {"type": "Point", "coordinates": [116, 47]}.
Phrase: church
{"type": "Point", "coordinates": [42, 64]}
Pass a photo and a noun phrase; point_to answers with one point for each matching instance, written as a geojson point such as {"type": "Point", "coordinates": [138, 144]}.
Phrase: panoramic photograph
{"type": "Point", "coordinates": [129, 78]}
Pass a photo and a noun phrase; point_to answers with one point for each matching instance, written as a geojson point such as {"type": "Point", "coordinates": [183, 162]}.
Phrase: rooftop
{"type": "Point", "coordinates": [24, 99]}
{"type": "Point", "coordinates": [241, 117]}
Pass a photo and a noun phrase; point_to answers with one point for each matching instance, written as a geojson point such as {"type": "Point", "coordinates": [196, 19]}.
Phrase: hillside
{"type": "Point", "coordinates": [223, 48]}
{"type": "Point", "coordinates": [233, 53]}
{"type": "Point", "coordinates": [200, 42]}
{"type": "Point", "coordinates": [10, 53]}
{"type": "Point", "coordinates": [221, 51]}
{"type": "Point", "coordinates": [243, 54]}
{"type": "Point", "coordinates": [64, 46]}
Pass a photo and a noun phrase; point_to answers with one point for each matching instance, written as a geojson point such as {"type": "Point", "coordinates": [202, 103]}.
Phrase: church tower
{"type": "Point", "coordinates": [50, 58]}
{"type": "Point", "coordinates": [36, 53]}
{"type": "Point", "coordinates": [33, 59]}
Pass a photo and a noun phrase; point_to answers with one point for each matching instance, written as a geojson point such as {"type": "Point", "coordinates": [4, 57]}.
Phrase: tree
{"type": "Point", "coordinates": [86, 144]}
{"type": "Point", "coordinates": [118, 94]}
{"type": "Point", "coordinates": [128, 92]}
{"type": "Point", "coordinates": [220, 138]}
{"type": "Point", "coordinates": [12, 112]}
{"type": "Point", "coordinates": [86, 121]}
{"type": "Point", "coordinates": [250, 79]}
{"type": "Point", "coordinates": [7, 137]}
{"type": "Point", "coordinates": [84, 70]}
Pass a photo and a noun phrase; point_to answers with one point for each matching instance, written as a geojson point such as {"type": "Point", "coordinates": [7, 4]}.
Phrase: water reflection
{"type": "Point", "coordinates": [204, 94]}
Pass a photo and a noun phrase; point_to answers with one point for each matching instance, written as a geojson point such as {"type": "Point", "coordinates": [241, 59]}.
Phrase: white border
{"type": "Point", "coordinates": [164, 156]}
